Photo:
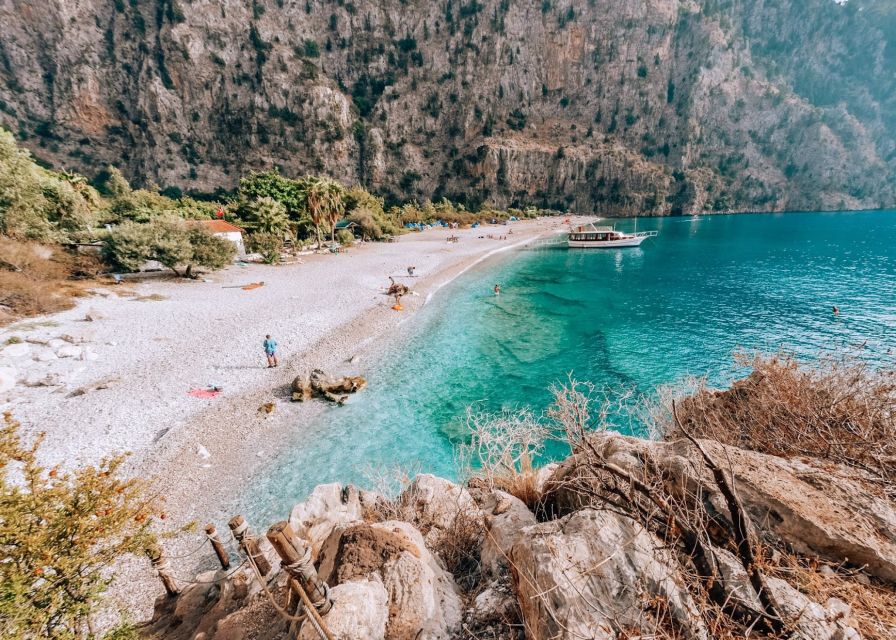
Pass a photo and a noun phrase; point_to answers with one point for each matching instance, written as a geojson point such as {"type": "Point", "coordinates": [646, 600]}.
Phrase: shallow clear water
{"type": "Point", "coordinates": [681, 304]}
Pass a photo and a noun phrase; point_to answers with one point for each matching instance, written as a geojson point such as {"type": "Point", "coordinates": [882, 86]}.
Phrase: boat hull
{"type": "Point", "coordinates": [606, 244]}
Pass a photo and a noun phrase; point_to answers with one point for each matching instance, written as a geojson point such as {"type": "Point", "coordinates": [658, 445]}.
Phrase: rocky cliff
{"type": "Point", "coordinates": [614, 106]}
{"type": "Point", "coordinates": [445, 561]}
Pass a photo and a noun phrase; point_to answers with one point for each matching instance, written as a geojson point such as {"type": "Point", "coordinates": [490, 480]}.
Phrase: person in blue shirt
{"type": "Point", "coordinates": [270, 350]}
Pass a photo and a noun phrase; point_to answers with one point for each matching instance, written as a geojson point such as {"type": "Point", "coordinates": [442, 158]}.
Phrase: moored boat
{"type": "Point", "coordinates": [591, 236]}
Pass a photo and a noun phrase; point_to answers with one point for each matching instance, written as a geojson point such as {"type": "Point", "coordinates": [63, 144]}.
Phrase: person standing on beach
{"type": "Point", "coordinates": [270, 350]}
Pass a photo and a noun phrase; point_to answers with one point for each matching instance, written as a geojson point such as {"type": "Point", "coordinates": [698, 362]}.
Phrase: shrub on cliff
{"type": "Point", "coordinates": [59, 534]}
{"type": "Point", "coordinates": [838, 410]}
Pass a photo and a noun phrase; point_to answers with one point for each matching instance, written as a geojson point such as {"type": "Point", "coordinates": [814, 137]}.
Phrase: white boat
{"type": "Point", "coordinates": [590, 236]}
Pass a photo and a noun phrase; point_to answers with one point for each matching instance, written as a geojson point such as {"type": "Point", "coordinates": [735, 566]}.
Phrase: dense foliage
{"type": "Point", "coordinates": [59, 535]}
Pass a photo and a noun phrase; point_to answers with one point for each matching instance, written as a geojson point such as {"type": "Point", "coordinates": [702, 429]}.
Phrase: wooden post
{"type": "Point", "coordinates": [218, 546]}
{"type": "Point", "coordinates": [293, 551]}
{"type": "Point", "coordinates": [163, 568]}
{"type": "Point", "coordinates": [249, 543]}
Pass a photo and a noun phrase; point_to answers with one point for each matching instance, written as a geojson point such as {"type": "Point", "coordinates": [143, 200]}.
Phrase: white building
{"type": "Point", "coordinates": [224, 229]}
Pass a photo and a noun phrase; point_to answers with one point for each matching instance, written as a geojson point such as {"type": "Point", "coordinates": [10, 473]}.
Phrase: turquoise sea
{"type": "Point", "coordinates": [679, 305]}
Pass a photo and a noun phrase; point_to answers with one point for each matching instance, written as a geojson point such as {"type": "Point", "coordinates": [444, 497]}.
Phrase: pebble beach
{"type": "Point", "coordinates": [115, 373]}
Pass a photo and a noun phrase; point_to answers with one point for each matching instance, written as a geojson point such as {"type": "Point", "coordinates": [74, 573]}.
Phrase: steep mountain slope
{"type": "Point", "coordinates": [609, 105]}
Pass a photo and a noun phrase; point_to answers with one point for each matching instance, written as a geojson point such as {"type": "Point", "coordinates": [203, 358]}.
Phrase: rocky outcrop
{"type": "Point", "coordinates": [820, 509]}
{"type": "Point", "coordinates": [611, 106]}
{"type": "Point", "coordinates": [424, 602]}
{"type": "Point", "coordinates": [318, 384]}
{"type": "Point", "coordinates": [507, 518]}
{"type": "Point", "coordinates": [592, 574]}
{"type": "Point", "coordinates": [590, 569]}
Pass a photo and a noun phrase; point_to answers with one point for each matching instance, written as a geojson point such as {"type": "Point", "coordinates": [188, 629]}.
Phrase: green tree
{"type": "Point", "coordinates": [116, 185]}
{"type": "Point", "coordinates": [208, 250]}
{"type": "Point", "coordinates": [59, 535]}
{"type": "Point", "coordinates": [141, 205]}
{"type": "Point", "coordinates": [326, 205]}
{"type": "Point", "coordinates": [270, 184]}
{"type": "Point", "coordinates": [269, 245]}
{"type": "Point", "coordinates": [266, 215]}
{"type": "Point", "coordinates": [37, 204]}
{"type": "Point", "coordinates": [367, 211]}
{"type": "Point", "coordinates": [172, 242]}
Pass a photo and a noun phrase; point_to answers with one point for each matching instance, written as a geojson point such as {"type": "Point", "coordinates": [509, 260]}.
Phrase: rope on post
{"type": "Point", "coordinates": [249, 544]}
{"type": "Point", "coordinates": [218, 546]}
{"type": "Point", "coordinates": [163, 568]}
{"type": "Point", "coordinates": [295, 555]}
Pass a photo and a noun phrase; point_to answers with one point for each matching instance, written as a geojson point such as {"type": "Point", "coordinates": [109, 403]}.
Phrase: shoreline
{"type": "Point", "coordinates": [160, 337]}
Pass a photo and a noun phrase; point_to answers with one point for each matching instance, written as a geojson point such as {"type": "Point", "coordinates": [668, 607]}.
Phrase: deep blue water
{"type": "Point", "coordinates": [679, 305]}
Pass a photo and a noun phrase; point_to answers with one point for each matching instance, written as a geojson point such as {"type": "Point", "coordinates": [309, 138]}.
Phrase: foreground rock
{"type": "Point", "coordinates": [318, 384]}
{"type": "Point", "coordinates": [590, 575]}
{"type": "Point", "coordinates": [819, 509]}
{"type": "Point", "coordinates": [591, 571]}
{"type": "Point", "coordinates": [424, 602]}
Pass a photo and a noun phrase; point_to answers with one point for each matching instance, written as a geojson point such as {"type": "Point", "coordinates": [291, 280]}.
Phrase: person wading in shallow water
{"type": "Point", "coordinates": [497, 289]}
{"type": "Point", "coordinates": [270, 350]}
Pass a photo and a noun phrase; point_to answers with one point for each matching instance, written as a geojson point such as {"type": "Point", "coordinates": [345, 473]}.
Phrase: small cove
{"type": "Point", "coordinates": [636, 318]}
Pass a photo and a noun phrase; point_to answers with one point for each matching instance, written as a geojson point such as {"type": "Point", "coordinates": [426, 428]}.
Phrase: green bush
{"type": "Point", "coordinates": [172, 242]}
{"type": "Point", "coordinates": [269, 245]}
{"type": "Point", "coordinates": [345, 237]}
{"type": "Point", "coordinates": [60, 534]}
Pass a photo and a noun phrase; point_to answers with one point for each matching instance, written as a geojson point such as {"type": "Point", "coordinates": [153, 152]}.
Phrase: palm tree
{"type": "Point", "coordinates": [266, 215]}
{"type": "Point", "coordinates": [326, 204]}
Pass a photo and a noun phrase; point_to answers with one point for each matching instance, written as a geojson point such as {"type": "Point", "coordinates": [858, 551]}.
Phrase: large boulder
{"type": "Point", "coordinates": [423, 601]}
{"type": "Point", "coordinates": [595, 574]}
{"type": "Point", "coordinates": [360, 610]}
{"type": "Point", "coordinates": [318, 384]}
{"type": "Point", "coordinates": [506, 518]}
{"type": "Point", "coordinates": [328, 506]}
{"type": "Point", "coordinates": [434, 505]}
{"type": "Point", "coordinates": [816, 507]}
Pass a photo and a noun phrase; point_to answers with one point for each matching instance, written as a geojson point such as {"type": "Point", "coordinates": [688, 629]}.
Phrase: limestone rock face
{"type": "Point", "coordinates": [611, 106]}
{"type": "Point", "coordinates": [819, 510]}
{"type": "Point", "coordinates": [589, 575]}
{"type": "Point", "coordinates": [423, 600]}
{"type": "Point", "coordinates": [328, 506]}
{"type": "Point", "coordinates": [360, 610]}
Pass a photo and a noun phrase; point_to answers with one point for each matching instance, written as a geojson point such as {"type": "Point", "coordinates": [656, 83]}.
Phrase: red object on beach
{"type": "Point", "coordinates": [203, 393]}
{"type": "Point", "coordinates": [220, 213]}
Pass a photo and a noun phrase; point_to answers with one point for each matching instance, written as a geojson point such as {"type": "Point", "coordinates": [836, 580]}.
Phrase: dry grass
{"type": "Point", "coordinates": [459, 548]}
{"type": "Point", "coordinates": [873, 605]}
{"type": "Point", "coordinates": [37, 279]}
{"type": "Point", "coordinates": [838, 410]}
{"type": "Point", "coordinates": [502, 451]}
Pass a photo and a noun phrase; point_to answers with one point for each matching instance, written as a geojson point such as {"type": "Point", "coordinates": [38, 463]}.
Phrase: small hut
{"type": "Point", "coordinates": [226, 230]}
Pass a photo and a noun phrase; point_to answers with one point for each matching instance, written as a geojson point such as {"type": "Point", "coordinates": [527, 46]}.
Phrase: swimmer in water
{"type": "Point", "coordinates": [836, 310]}
{"type": "Point", "coordinates": [497, 289]}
